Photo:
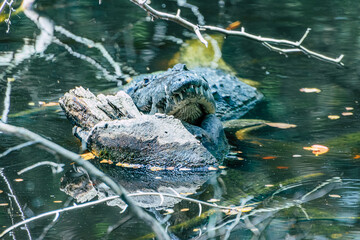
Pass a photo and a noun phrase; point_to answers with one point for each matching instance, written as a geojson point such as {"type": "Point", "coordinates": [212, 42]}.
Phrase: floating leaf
{"type": "Point", "coordinates": [184, 210]}
{"type": "Point", "coordinates": [57, 201]}
{"type": "Point", "coordinates": [170, 168]}
{"type": "Point", "coordinates": [233, 25]}
{"type": "Point", "coordinates": [186, 193]}
{"type": "Point", "coordinates": [196, 229]}
{"type": "Point", "coordinates": [87, 156]}
{"type": "Point", "coordinates": [269, 157]}
{"type": "Point", "coordinates": [269, 185]}
{"type": "Point", "coordinates": [1, 191]}
{"type": "Point", "coordinates": [156, 169]}
{"type": "Point", "coordinates": [212, 169]}
{"type": "Point", "coordinates": [213, 200]}
{"type": "Point", "coordinates": [310, 90]}
{"type": "Point", "coordinates": [333, 117]}
{"type": "Point", "coordinates": [169, 211]}
{"type": "Point", "coordinates": [104, 161]}
{"type": "Point", "coordinates": [49, 104]}
{"type": "Point", "coordinates": [334, 196]}
{"type": "Point", "coordinates": [282, 167]}
{"type": "Point", "coordinates": [347, 114]}
{"type": "Point", "coordinates": [349, 108]}
{"type": "Point", "coordinates": [10, 79]}
{"type": "Point", "coordinates": [357, 156]}
{"type": "Point", "coordinates": [296, 155]}
{"type": "Point", "coordinates": [185, 169]}
{"type": "Point", "coordinates": [31, 104]}
{"type": "Point", "coordinates": [18, 180]}
{"type": "Point", "coordinates": [158, 177]}
{"type": "Point", "coordinates": [240, 158]}
{"type": "Point", "coordinates": [222, 167]}
{"type": "Point", "coordinates": [336, 235]}
{"type": "Point", "coordinates": [3, 204]}
{"type": "Point", "coordinates": [247, 209]}
{"type": "Point", "coordinates": [317, 149]}
{"type": "Point", "coordinates": [281, 125]}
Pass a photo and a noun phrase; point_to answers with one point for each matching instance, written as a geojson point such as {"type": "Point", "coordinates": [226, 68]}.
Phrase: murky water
{"type": "Point", "coordinates": [275, 169]}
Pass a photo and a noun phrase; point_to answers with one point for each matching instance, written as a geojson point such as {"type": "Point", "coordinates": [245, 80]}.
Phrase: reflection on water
{"type": "Point", "coordinates": [272, 168]}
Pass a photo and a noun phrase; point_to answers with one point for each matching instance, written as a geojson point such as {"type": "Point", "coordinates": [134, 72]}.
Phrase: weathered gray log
{"type": "Point", "coordinates": [113, 128]}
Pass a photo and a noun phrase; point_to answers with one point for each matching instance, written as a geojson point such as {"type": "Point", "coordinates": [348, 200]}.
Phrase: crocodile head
{"type": "Point", "coordinates": [177, 92]}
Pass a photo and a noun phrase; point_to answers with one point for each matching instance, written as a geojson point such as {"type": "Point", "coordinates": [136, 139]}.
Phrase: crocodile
{"type": "Point", "coordinates": [178, 125]}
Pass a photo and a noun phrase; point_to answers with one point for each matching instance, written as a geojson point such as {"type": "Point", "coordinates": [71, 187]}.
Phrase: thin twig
{"type": "Point", "coordinates": [12, 194]}
{"type": "Point", "coordinates": [7, 101]}
{"type": "Point", "coordinates": [91, 169]}
{"type": "Point", "coordinates": [56, 167]}
{"type": "Point", "coordinates": [18, 147]}
{"type": "Point", "coordinates": [295, 46]}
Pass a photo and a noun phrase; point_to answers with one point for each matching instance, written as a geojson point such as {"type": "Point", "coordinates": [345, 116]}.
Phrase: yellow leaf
{"type": "Point", "coordinates": [156, 169]}
{"type": "Point", "coordinates": [57, 201]}
{"type": "Point", "coordinates": [196, 229]}
{"type": "Point", "coordinates": [31, 104]}
{"type": "Point", "coordinates": [1, 191]}
{"type": "Point", "coordinates": [333, 117]}
{"type": "Point", "coordinates": [49, 104]}
{"type": "Point", "coordinates": [347, 114]}
{"type": "Point", "coordinates": [247, 209]}
{"type": "Point", "coordinates": [334, 196]}
{"type": "Point", "coordinates": [222, 167]}
{"type": "Point", "coordinates": [310, 90]}
{"type": "Point", "coordinates": [184, 210]}
{"type": "Point", "coordinates": [349, 108]}
{"type": "Point", "coordinates": [3, 204]}
{"type": "Point", "coordinates": [104, 161]}
{"type": "Point", "coordinates": [87, 156]}
{"type": "Point", "coordinates": [269, 185]}
{"type": "Point", "coordinates": [18, 180]}
{"type": "Point", "coordinates": [213, 200]}
{"type": "Point", "coordinates": [281, 125]}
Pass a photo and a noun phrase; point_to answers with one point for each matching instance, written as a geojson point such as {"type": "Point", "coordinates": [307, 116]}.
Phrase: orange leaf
{"type": "Point", "coordinates": [281, 125]}
{"type": "Point", "coordinates": [233, 25]}
{"type": "Point", "coordinates": [317, 149]}
{"type": "Point", "coordinates": [269, 157]}
{"type": "Point", "coordinates": [357, 156]}
{"type": "Point", "coordinates": [282, 167]}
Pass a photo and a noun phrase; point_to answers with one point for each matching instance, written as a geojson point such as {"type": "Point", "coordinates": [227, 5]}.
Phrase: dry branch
{"type": "Point", "coordinates": [92, 170]}
{"type": "Point", "coordinates": [267, 42]}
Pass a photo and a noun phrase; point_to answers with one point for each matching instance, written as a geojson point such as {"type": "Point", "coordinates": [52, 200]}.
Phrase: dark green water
{"type": "Point", "coordinates": [333, 211]}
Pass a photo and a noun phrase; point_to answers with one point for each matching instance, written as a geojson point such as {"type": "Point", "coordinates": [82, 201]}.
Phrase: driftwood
{"type": "Point", "coordinates": [112, 128]}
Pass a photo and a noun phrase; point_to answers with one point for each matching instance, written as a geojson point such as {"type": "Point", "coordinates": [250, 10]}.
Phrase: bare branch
{"type": "Point", "coordinates": [294, 46]}
{"type": "Point", "coordinates": [18, 147]}
{"type": "Point", "coordinates": [12, 194]}
{"type": "Point", "coordinates": [91, 169]}
{"type": "Point", "coordinates": [7, 101]}
{"type": "Point", "coordinates": [55, 167]}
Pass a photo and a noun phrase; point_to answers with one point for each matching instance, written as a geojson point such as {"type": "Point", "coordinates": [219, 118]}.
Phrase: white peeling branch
{"type": "Point", "coordinates": [91, 169]}
{"type": "Point", "coordinates": [170, 17]}
{"type": "Point", "coordinates": [268, 42]}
